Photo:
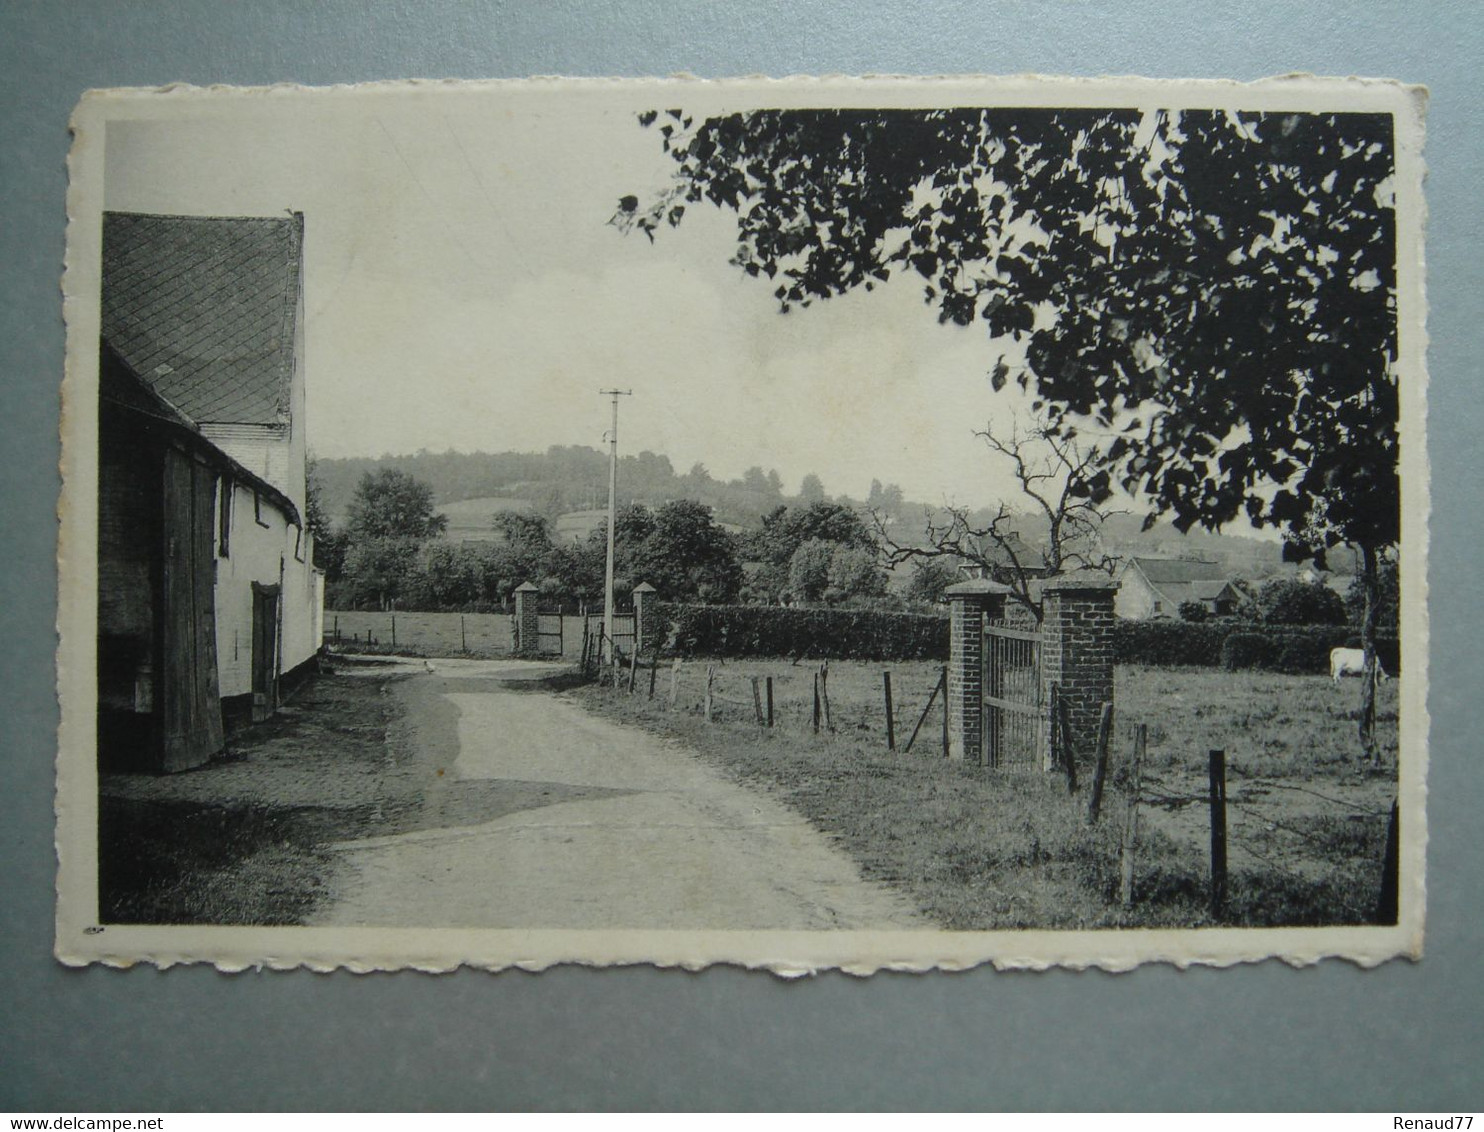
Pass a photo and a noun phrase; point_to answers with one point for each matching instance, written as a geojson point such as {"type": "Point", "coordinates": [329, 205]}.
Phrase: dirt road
{"type": "Point", "coordinates": [597, 826]}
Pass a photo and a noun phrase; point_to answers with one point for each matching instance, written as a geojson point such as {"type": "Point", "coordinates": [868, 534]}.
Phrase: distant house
{"type": "Point", "coordinates": [207, 596]}
{"type": "Point", "coordinates": [1157, 587]}
{"type": "Point", "coordinates": [1003, 561]}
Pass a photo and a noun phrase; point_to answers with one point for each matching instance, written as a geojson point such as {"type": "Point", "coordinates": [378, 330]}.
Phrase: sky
{"type": "Point", "coordinates": [464, 290]}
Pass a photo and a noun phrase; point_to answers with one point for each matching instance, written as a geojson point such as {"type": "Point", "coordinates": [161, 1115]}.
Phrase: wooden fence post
{"type": "Point", "coordinates": [1068, 749]}
{"type": "Point", "coordinates": [891, 734]}
{"type": "Point", "coordinates": [710, 677]}
{"type": "Point", "coordinates": [633, 669]}
{"type": "Point", "coordinates": [463, 637]}
{"type": "Point", "coordinates": [1131, 818]}
{"type": "Point", "coordinates": [394, 630]}
{"type": "Point", "coordinates": [337, 628]}
{"type": "Point", "coordinates": [824, 695]}
{"type": "Point", "coordinates": [1218, 833]}
{"type": "Point", "coordinates": [674, 681]}
{"type": "Point", "coordinates": [921, 719]}
{"type": "Point", "coordinates": [654, 667]}
{"type": "Point", "coordinates": [757, 703]}
{"type": "Point", "coordinates": [1388, 903]}
{"type": "Point", "coordinates": [770, 700]}
{"type": "Point", "coordinates": [943, 683]}
{"type": "Point", "coordinates": [816, 703]}
{"type": "Point", "coordinates": [1100, 770]}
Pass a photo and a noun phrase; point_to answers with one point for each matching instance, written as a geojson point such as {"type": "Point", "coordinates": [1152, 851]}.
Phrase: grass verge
{"type": "Point", "coordinates": [241, 840]}
{"type": "Point", "coordinates": [1011, 848]}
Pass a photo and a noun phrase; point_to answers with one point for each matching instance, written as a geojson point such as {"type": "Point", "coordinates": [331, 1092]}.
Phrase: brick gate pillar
{"type": "Point", "coordinates": [968, 604]}
{"type": "Point", "coordinates": [644, 617]}
{"type": "Point", "coordinates": [527, 621]}
{"type": "Point", "coordinates": [1077, 653]}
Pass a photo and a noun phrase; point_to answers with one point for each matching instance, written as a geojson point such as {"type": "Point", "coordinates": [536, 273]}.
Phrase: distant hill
{"type": "Point", "coordinates": [471, 520]}
{"type": "Point", "coordinates": [569, 486]}
{"type": "Point", "coordinates": [553, 483]}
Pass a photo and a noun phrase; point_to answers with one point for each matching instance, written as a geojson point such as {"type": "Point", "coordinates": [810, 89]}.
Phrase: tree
{"type": "Point", "coordinates": [678, 548]}
{"type": "Point", "coordinates": [378, 571]}
{"type": "Point", "coordinates": [811, 490]}
{"type": "Point", "coordinates": [1289, 601]}
{"type": "Point", "coordinates": [928, 581]}
{"type": "Point", "coordinates": [446, 575]}
{"type": "Point", "coordinates": [755, 479]}
{"type": "Point", "coordinates": [525, 553]}
{"type": "Point", "coordinates": [329, 544]}
{"type": "Point", "coordinates": [786, 529]}
{"type": "Point", "coordinates": [1213, 291]}
{"type": "Point", "coordinates": [1193, 611]}
{"type": "Point", "coordinates": [1058, 477]}
{"type": "Point", "coordinates": [809, 569]}
{"type": "Point", "coordinates": [1388, 597]}
{"type": "Point", "coordinates": [390, 503]}
{"type": "Point", "coordinates": [687, 556]}
{"type": "Point", "coordinates": [855, 574]}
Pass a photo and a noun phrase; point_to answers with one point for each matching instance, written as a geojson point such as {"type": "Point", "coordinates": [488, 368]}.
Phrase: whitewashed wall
{"type": "Point", "coordinates": [257, 553]}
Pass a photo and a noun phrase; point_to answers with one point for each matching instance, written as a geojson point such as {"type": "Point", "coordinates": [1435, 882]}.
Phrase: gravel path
{"type": "Point", "coordinates": [619, 828]}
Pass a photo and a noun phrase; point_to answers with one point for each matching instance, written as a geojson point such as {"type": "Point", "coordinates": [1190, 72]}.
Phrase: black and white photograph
{"type": "Point", "coordinates": [815, 523]}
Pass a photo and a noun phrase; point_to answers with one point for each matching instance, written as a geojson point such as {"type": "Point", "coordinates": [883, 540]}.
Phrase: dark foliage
{"type": "Point", "coordinates": [1171, 642]}
{"type": "Point", "coordinates": [1288, 601]}
{"type": "Point", "coordinates": [1300, 650]}
{"type": "Point", "coordinates": [1193, 611]}
{"type": "Point", "coordinates": [844, 634]}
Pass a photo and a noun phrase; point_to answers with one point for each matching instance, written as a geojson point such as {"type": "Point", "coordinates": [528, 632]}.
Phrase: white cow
{"type": "Point", "coordinates": [1351, 662]}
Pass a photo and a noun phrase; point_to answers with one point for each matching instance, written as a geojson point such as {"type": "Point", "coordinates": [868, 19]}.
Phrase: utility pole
{"type": "Point", "coordinates": [615, 394]}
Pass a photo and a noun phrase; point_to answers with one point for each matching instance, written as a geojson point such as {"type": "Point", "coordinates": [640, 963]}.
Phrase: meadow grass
{"type": "Point", "coordinates": [1012, 848]}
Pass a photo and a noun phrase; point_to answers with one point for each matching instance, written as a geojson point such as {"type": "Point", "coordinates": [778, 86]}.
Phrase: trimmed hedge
{"type": "Point", "coordinates": [1171, 642]}
{"type": "Point", "coordinates": [770, 630]}
{"type": "Point", "coordinates": [1242, 644]}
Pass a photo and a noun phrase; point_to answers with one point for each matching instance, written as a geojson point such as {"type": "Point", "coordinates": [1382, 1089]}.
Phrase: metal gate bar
{"type": "Point", "coordinates": [549, 629]}
{"type": "Point", "coordinates": [1013, 705]}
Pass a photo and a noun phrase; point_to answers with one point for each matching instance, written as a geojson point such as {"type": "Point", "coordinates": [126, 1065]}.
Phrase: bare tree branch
{"type": "Point", "coordinates": [1057, 474]}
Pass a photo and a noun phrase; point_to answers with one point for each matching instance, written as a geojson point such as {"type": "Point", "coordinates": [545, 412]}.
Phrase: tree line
{"type": "Point", "coordinates": [390, 553]}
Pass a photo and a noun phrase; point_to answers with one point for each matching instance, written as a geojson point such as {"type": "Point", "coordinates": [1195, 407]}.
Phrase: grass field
{"type": "Point", "coordinates": [1011, 848]}
{"type": "Point", "coordinates": [438, 634]}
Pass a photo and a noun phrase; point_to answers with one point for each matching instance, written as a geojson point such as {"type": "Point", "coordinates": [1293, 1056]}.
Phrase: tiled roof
{"type": "Point", "coordinates": [121, 387]}
{"type": "Point", "coordinates": [1161, 570]}
{"type": "Point", "coordinates": [1210, 591]}
{"type": "Point", "coordinates": [204, 309]}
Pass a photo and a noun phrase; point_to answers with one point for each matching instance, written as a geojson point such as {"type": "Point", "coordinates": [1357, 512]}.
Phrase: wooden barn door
{"type": "Point", "coordinates": [190, 703]}
{"type": "Point", "coordinates": [264, 651]}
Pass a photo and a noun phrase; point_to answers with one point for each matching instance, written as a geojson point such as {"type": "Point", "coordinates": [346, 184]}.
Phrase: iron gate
{"type": "Point", "coordinates": [1014, 708]}
{"type": "Point", "coordinates": [623, 632]}
{"type": "Point", "coordinates": [549, 633]}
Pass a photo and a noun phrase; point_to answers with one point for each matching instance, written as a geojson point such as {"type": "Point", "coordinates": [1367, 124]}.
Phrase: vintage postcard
{"type": "Point", "coordinates": [805, 524]}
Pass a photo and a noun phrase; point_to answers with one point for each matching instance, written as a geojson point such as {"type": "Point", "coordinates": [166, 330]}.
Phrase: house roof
{"type": "Point", "coordinates": [204, 309]}
{"type": "Point", "coordinates": [1210, 591]}
{"type": "Point", "coordinates": [121, 387]}
{"type": "Point", "coordinates": [1180, 570]}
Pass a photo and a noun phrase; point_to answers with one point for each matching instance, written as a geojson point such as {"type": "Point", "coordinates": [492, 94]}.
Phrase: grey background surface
{"type": "Point", "coordinates": [1406, 1036]}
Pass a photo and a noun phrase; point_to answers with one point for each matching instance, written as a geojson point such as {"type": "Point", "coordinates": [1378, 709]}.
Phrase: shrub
{"type": "Point", "coordinates": [1246, 650]}
{"type": "Point", "coordinates": [763, 630]}
{"type": "Point", "coordinates": [1288, 601]}
{"type": "Point", "coordinates": [1233, 644]}
{"type": "Point", "coordinates": [1170, 642]}
{"type": "Point", "coordinates": [1193, 611]}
